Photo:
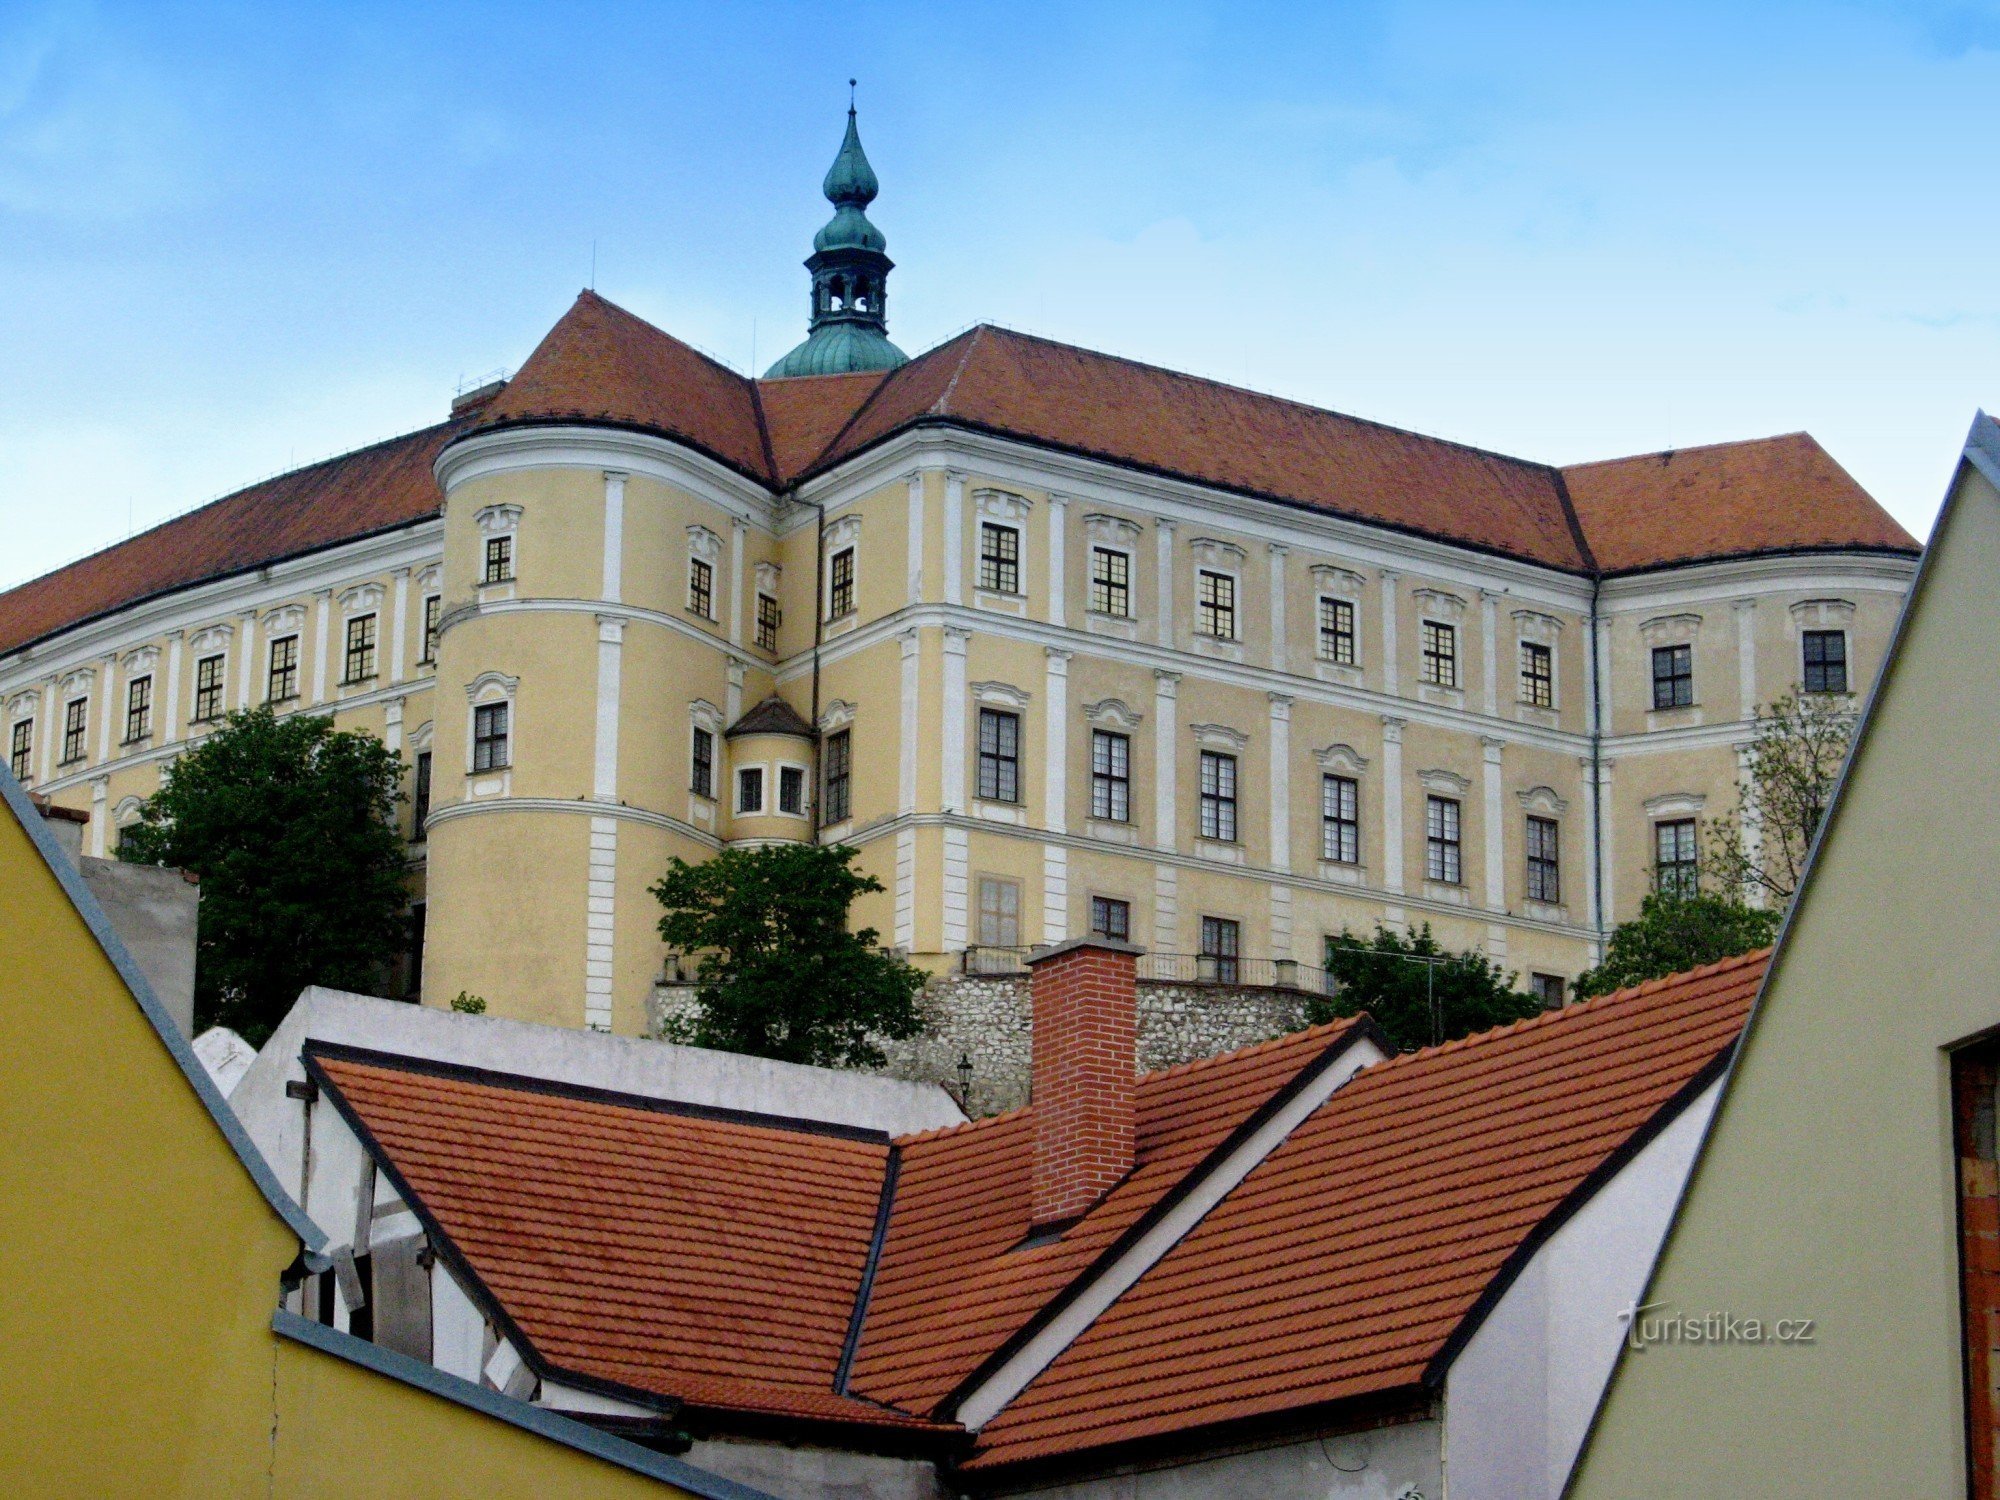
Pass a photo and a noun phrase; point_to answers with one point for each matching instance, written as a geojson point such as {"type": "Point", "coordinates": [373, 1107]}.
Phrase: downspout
{"type": "Point", "coordinates": [1598, 902]}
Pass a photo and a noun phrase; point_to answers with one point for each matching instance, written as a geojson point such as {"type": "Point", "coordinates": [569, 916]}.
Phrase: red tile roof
{"type": "Point", "coordinates": [1347, 1263]}
{"type": "Point", "coordinates": [668, 1252]}
{"type": "Point", "coordinates": [602, 365]}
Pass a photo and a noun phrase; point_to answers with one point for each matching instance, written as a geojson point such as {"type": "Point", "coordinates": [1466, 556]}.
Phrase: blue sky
{"type": "Point", "coordinates": [236, 237]}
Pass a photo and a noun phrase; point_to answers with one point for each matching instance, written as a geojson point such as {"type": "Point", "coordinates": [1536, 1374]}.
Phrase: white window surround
{"type": "Point", "coordinates": [1822, 614]}
{"type": "Point", "coordinates": [284, 620]}
{"type": "Point", "coordinates": [1342, 586]}
{"type": "Point", "coordinates": [363, 598]}
{"type": "Point", "coordinates": [1344, 760]}
{"type": "Point", "coordinates": [1437, 607]}
{"type": "Point", "coordinates": [1532, 627]}
{"type": "Point", "coordinates": [1000, 695]}
{"type": "Point", "coordinates": [496, 521]}
{"type": "Point", "coordinates": [841, 536]}
{"type": "Point", "coordinates": [838, 715]}
{"type": "Point", "coordinates": [78, 683]}
{"type": "Point", "coordinates": [1672, 805]}
{"type": "Point", "coordinates": [1220, 737]}
{"type": "Point", "coordinates": [486, 689]}
{"type": "Point", "coordinates": [1442, 783]}
{"type": "Point", "coordinates": [1114, 714]}
{"type": "Point", "coordinates": [138, 663]}
{"type": "Point", "coordinates": [775, 781]}
{"type": "Point", "coordinates": [740, 779]}
{"type": "Point", "coordinates": [1543, 802]}
{"type": "Point", "coordinates": [1229, 647]}
{"type": "Point", "coordinates": [1341, 760]}
{"type": "Point", "coordinates": [23, 705]}
{"type": "Point", "coordinates": [1670, 630]}
{"type": "Point", "coordinates": [431, 579]}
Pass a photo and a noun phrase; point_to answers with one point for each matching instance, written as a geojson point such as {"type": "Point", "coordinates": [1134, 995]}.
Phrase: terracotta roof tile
{"type": "Point", "coordinates": [697, 1258]}
{"type": "Point", "coordinates": [1773, 495]}
{"type": "Point", "coordinates": [804, 415]}
{"type": "Point", "coordinates": [1350, 1257]}
{"type": "Point", "coordinates": [357, 494]}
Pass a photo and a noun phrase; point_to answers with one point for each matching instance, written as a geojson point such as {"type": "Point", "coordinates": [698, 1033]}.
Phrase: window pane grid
{"type": "Point", "coordinates": [1110, 776]}
{"type": "Point", "coordinates": [1110, 582]}
{"type": "Point", "coordinates": [138, 709]}
{"type": "Point", "coordinates": [1215, 605]}
{"type": "Point", "coordinates": [702, 783]}
{"type": "Point", "coordinates": [839, 777]}
{"type": "Point", "coordinates": [999, 558]}
{"type": "Point", "coordinates": [1544, 861]}
{"type": "Point", "coordinates": [791, 790]}
{"type": "Point", "coordinates": [1336, 631]}
{"type": "Point", "coordinates": [75, 715]}
{"type": "Point", "coordinates": [1673, 676]}
{"type": "Point", "coordinates": [208, 689]}
{"type": "Point", "coordinates": [840, 590]}
{"type": "Point", "coordinates": [701, 589]}
{"type": "Point", "coordinates": [489, 737]}
{"type": "Point", "coordinates": [999, 913]}
{"type": "Point", "coordinates": [999, 755]}
{"type": "Point", "coordinates": [499, 560]}
{"type": "Point", "coordinates": [1221, 943]}
{"type": "Point", "coordinates": [1443, 855]}
{"type": "Point", "coordinates": [1538, 686]}
{"type": "Point", "coordinates": [1676, 865]}
{"type": "Point", "coordinates": [1826, 661]}
{"type": "Point", "coordinates": [433, 611]}
{"type": "Point", "coordinates": [1218, 796]}
{"type": "Point", "coordinates": [284, 679]}
{"type": "Point", "coordinates": [20, 751]}
{"type": "Point", "coordinates": [1340, 823]}
{"type": "Point", "coordinates": [1111, 918]}
{"type": "Point", "coordinates": [767, 623]}
{"type": "Point", "coordinates": [1440, 654]}
{"type": "Point", "coordinates": [360, 659]}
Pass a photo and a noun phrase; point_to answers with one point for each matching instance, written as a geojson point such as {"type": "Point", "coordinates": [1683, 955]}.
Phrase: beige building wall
{"type": "Point", "coordinates": [1826, 1188]}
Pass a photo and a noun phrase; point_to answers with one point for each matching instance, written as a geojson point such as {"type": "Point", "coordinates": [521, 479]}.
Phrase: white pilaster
{"type": "Point", "coordinates": [614, 537]}
{"type": "Point", "coordinates": [739, 596]}
{"type": "Point", "coordinates": [1281, 782]}
{"type": "Point", "coordinates": [247, 636]}
{"type": "Point", "coordinates": [732, 695]}
{"type": "Point", "coordinates": [1489, 624]}
{"type": "Point", "coordinates": [906, 767]}
{"type": "Point", "coordinates": [52, 709]}
{"type": "Point", "coordinates": [1166, 909]}
{"type": "Point", "coordinates": [916, 537]}
{"type": "Point", "coordinates": [906, 888]}
{"type": "Point", "coordinates": [610, 670]}
{"type": "Point", "coordinates": [1496, 856]}
{"type": "Point", "coordinates": [1392, 804]}
{"type": "Point", "coordinates": [392, 725]}
{"type": "Point", "coordinates": [110, 709]}
{"type": "Point", "coordinates": [1607, 823]}
{"type": "Point", "coordinates": [957, 883]}
{"type": "Point", "coordinates": [1390, 671]}
{"type": "Point", "coordinates": [1590, 851]}
{"type": "Point", "coordinates": [1058, 563]}
{"type": "Point", "coordinates": [1753, 833]}
{"type": "Point", "coordinates": [1166, 755]}
{"type": "Point", "coordinates": [951, 759]}
{"type": "Point", "coordinates": [322, 608]}
{"type": "Point", "coordinates": [1055, 893]}
{"type": "Point", "coordinates": [954, 537]}
{"type": "Point", "coordinates": [171, 729]}
{"type": "Point", "coordinates": [1746, 657]}
{"type": "Point", "coordinates": [100, 793]}
{"type": "Point", "coordinates": [600, 920]}
{"type": "Point", "coordinates": [399, 624]}
{"type": "Point", "coordinates": [1279, 551]}
{"type": "Point", "coordinates": [1604, 694]}
{"type": "Point", "coordinates": [1055, 797]}
{"type": "Point", "coordinates": [1281, 921]}
{"type": "Point", "coordinates": [1163, 588]}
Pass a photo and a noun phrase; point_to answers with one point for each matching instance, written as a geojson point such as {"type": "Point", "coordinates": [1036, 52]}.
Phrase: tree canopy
{"type": "Point", "coordinates": [1673, 933]}
{"type": "Point", "coordinates": [1415, 990]}
{"type": "Point", "coordinates": [1762, 844]}
{"type": "Point", "coordinates": [779, 973]}
{"type": "Point", "coordinates": [291, 826]}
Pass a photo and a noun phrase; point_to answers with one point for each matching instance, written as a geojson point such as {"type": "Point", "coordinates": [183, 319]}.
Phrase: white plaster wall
{"type": "Point", "coordinates": [1387, 1463]}
{"type": "Point", "coordinates": [807, 1473]}
{"type": "Point", "coordinates": [1522, 1393]}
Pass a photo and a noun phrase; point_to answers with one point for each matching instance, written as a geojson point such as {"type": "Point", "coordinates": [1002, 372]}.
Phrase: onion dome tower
{"type": "Point", "coordinates": [848, 330]}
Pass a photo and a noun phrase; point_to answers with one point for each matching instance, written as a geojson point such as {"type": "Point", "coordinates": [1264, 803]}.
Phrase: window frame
{"type": "Point", "coordinates": [1681, 874]}
{"type": "Point", "coordinates": [1438, 640]}
{"type": "Point", "coordinates": [1222, 942]}
{"type": "Point", "coordinates": [485, 736]}
{"type": "Point", "coordinates": [840, 589]}
{"type": "Point", "coordinates": [433, 615]}
{"type": "Point", "coordinates": [358, 651]}
{"type": "Point", "coordinates": [1338, 642]}
{"type": "Point", "coordinates": [1219, 786]}
{"type": "Point", "coordinates": [1339, 819]}
{"type": "Point", "coordinates": [837, 778]}
{"type": "Point", "coordinates": [768, 620]}
{"type": "Point", "coordinates": [1551, 989]}
{"type": "Point", "coordinates": [792, 780]}
{"type": "Point", "coordinates": [498, 560]}
{"type": "Point", "coordinates": [1544, 855]}
{"type": "Point", "coordinates": [1109, 589]}
{"type": "Point", "coordinates": [1444, 840]}
{"type": "Point", "coordinates": [420, 795]}
{"type": "Point", "coordinates": [216, 689]}
{"type": "Point", "coordinates": [746, 778]}
{"type": "Point", "coordinates": [701, 761]}
{"type": "Point", "coordinates": [288, 669]}
{"type": "Point", "coordinates": [76, 730]}
{"type": "Point", "coordinates": [139, 709]}
{"type": "Point", "coordinates": [1002, 886]}
{"type": "Point", "coordinates": [1000, 572]}
{"type": "Point", "coordinates": [1110, 776]}
{"type": "Point", "coordinates": [1103, 911]}
{"type": "Point", "coordinates": [1825, 665]}
{"type": "Point", "coordinates": [1538, 674]}
{"type": "Point", "coordinates": [1003, 761]}
{"type": "Point", "coordinates": [1677, 680]}
{"type": "Point", "coordinates": [21, 749]}
{"type": "Point", "coordinates": [1211, 609]}
{"type": "Point", "coordinates": [701, 589]}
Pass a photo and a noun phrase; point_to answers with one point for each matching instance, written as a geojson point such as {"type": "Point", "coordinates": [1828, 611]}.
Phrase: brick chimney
{"type": "Point", "coordinates": [1086, 1020]}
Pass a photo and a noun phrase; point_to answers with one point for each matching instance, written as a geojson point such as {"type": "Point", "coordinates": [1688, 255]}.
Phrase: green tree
{"type": "Point", "coordinates": [291, 825]}
{"type": "Point", "coordinates": [1761, 845]}
{"type": "Point", "coordinates": [780, 975]}
{"type": "Point", "coordinates": [1673, 933]}
{"type": "Point", "coordinates": [1415, 990]}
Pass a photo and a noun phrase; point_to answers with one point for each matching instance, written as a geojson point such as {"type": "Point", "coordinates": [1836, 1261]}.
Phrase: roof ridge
{"type": "Point", "coordinates": [1669, 453]}
{"type": "Point", "coordinates": [942, 406]}
{"type": "Point", "coordinates": [867, 403]}
{"type": "Point", "coordinates": [1269, 1044]}
{"type": "Point", "coordinates": [935, 1131]}
{"type": "Point", "coordinates": [695, 349]}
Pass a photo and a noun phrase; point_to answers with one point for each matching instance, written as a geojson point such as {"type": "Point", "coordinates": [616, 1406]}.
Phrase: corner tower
{"type": "Point", "coordinates": [849, 325]}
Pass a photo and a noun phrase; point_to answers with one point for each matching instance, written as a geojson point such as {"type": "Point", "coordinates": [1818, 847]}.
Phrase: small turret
{"type": "Point", "coordinates": [849, 325]}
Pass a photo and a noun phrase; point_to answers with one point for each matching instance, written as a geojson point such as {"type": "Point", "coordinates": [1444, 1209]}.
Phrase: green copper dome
{"type": "Point", "coordinates": [850, 265]}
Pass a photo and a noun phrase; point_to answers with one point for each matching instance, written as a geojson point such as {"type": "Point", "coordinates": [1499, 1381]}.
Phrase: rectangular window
{"type": "Point", "coordinates": [1111, 918]}
{"type": "Point", "coordinates": [703, 782]}
{"type": "Point", "coordinates": [1544, 861]}
{"type": "Point", "coordinates": [20, 751]}
{"type": "Point", "coordinates": [360, 649]}
{"type": "Point", "coordinates": [1221, 945]}
{"type": "Point", "coordinates": [1673, 676]}
{"type": "Point", "coordinates": [1538, 675]}
{"type": "Point", "coordinates": [433, 611]}
{"type": "Point", "coordinates": [1110, 582]}
{"type": "Point", "coordinates": [1110, 776]}
{"type": "Point", "coordinates": [1548, 988]}
{"type": "Point", "coordinates": [284, 679]}
{"type": "Point", "coordinates": [1676, 865]}
{"type": "Point", "coordinates": [420, 803]}
{"type": "Point", "coordinates": [999, 755]}
{"type": "Point", "coordinates": [75, 715]}
{"type": "Point", "coordinates": [1336, 631]}
{"type": "Point", "coordinates": [138, 709]}
{"type": "Point", "coordinates": [840, 584]}
{"type": "Point", "coordinates": [1340, 820]}
{"type": "Point", "coordinates": [792, 790]}
{"type": "Point", "coordinates": [839, 777]}
{"type": "Point", "coordinates": [750, 789]}
{"type": "Point", "coordinates": [1826, 661]}
{"type": "Point", "coordinates": [1440, 654]}
{"type": "Point", "coordinates": [999, 913]}
{"type": "Point", "coordinates": [701, 589]}
{"type": "Point", "coordinates": [1218, 796]}
{"type": "Point", "coordinates": [489, 737]}
{"type": "Point", "coordinates": [1443, 857]}
{"type": "Point", "coordinates": [767, 623]}
{"type": "Point", "coordinates": [499, 560]}
{"type": "Point", "coordinates": [207, 689]}
{"type": "Point", "coordinates": [999, 558]}
{"type": "Point", "coordinates": [1215, 605]}
{"type": "Point", "coordinates": [414, 965]}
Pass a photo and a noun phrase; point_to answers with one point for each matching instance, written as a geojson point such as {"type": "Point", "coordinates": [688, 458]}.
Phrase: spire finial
{"type": "Point", "coordinates": [850, 96]}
